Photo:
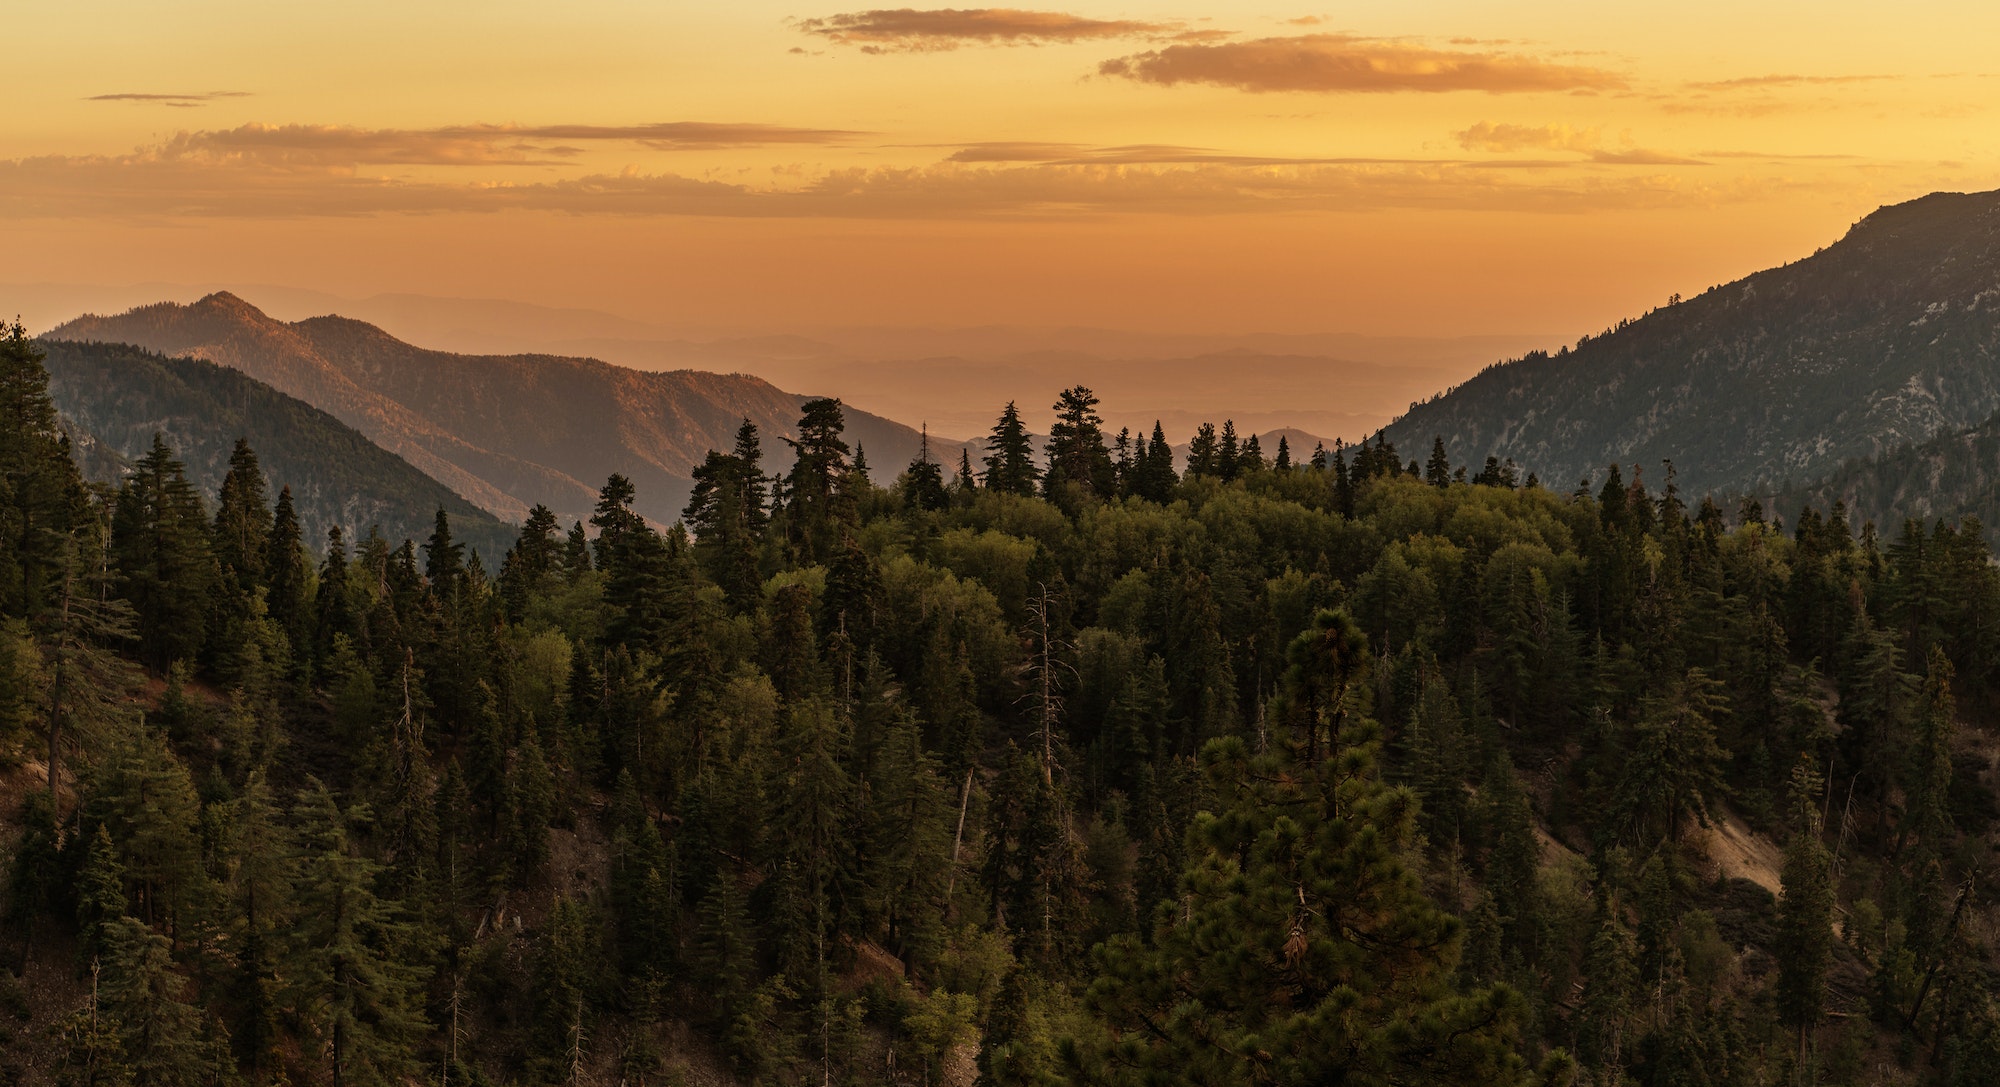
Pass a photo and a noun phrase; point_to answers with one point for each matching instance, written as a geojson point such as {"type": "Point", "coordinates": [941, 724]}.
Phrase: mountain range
{"type": "Point", "coordinates": [115, 397]}
{"type": "Point", "coordinates": [1887, 338]}
{"type": "Point", "coordinates": [504, 431]}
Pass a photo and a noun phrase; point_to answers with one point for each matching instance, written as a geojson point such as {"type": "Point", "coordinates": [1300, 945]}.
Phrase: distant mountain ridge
{"type": "Point", "coordinates": [119, 396]}
{"type": "Point", "coordinates": [505, 431]}
{"type": "Point", "coordinates": [1886, 338]}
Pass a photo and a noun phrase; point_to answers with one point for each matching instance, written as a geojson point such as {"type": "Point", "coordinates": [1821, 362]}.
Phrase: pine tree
{"type": "Point", "coordinates": [1805, 915]}
{"type": "Point", "coordinates": [1437, 471]}
{"type": "Point", "coordinates": [1673, 768]}
{"type": "Point", "coordinates": [1303, 950]}
{"type": "Point", "coordinates": [286, 574]}
{"type": "Point", "coordinates": [444, 560]}
{"type": "Point", "coordinates": [1010, 457]}
{"type": "Point", "coordinates": [43, 497]}
{"type": "Point", "coordinates": [1076, 452]}
{"type": "Point", "coordinates": [260, 890]}
{"type": "Point", "coordinates": [160, 541]}
{"type": "Point", "coordinates": [1927, 808]}
{"type": "Point", "coordinates": [1156, 478]}
{"type": "Point", "coordinates": [1251, 459]}
{"type": "Point", "coordinates": [140, 992]}
{"type": "Point", "coordinates": [243, 522]}
{"type": "Point", "coordinates": [923, 481]}
{"type": "Point", "coordinates": [817, 501]}
{"type": "Point", "coordinates": [1227, 455]}
{"type": "Point", "coordinates": [1203, 456]}
{"type": "Point", "coordinates": [353, 971]}
{"type": "Point", "coordinates": [1283, 461]}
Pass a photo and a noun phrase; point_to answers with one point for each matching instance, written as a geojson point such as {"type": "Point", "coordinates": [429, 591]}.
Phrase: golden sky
{"type": "Point", "coordinates": [1386, 168]}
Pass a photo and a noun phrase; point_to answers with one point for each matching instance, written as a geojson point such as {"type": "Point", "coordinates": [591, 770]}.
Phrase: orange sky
{"type": "Point", "coordinates": [1388, 168]}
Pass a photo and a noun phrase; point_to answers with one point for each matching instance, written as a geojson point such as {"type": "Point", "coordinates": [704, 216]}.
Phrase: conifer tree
{"type": "Point", "coordinates": [1304, 950]}
{"type": "Point", "coordinates": [43, 495]}
{"type": "Point", "coordinates": [1010, 456]}
{"type": "Point", "coordinates": [159, 538]}
{"type": "Point", "coordinates": [353, 970]}
{"type": "Point", "coordinates": [817, 498]}
{"type": "Point", "coordinates": [1805, 915]}
{"type": "Point", "coordinates": [1076, 452]}
{"type": "Point", "coordinates": [1927, 809]}
{"type": "Point", "coordinates": [1437, 471]}
{"type": "Point", "coordinates": [923, 481]}
{"type": "Point", "coordinates": [1283, 461]}
{"type": "Point", "coordinates": [444, 559]}
{"type": "Point", "coordinates": [1155, 480]}
{"type": "Point", "coordinates": [140, 992]}
{"type": "Point", "coordinates": [285, 572]}
{"type": "Point", "coordinates": [1203, 456]}
{"type": "Point", "coordinates": [1227, 454]}
{"type": "Point", "coordinates": [243, 522]}
{"type": "Point", "coordinates": [260, 889]}
{"type": "Point", "coordinates": [1251, 458]}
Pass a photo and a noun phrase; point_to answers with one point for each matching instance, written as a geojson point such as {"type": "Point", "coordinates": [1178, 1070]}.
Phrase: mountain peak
{"type": "Point", "coordinates": [505, 431]}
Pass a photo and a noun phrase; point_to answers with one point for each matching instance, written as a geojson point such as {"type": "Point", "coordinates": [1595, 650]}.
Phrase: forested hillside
{"type": "Point", "coordinates": [1954, 475]}
{"type": "Point", "coordinates": [508, 432]}
{"type": "Point", "coordinates": [122, 396]}
{"type": "Point", "coordinates": [1886, 338]}
{"type": "Point", "coordinates": [1048, 769]}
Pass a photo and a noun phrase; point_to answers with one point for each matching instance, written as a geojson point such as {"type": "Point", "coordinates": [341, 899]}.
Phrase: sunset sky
{"type": "Point", "coordinates": [1383, 168]}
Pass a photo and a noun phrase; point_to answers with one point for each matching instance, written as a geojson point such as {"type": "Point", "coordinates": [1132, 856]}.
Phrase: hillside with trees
{"type": "Point", "coordinates": [1889, 337]}
{"type": "Point", "coordinates": [1057, 765]}
{"type": "Point", "coordinates": [508, 432]}
{"type": "Point", "coordinates": [117, 398]}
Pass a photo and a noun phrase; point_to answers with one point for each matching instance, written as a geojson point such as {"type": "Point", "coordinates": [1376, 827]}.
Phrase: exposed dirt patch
{"type": "Point", "coordinates": [1742, 853]}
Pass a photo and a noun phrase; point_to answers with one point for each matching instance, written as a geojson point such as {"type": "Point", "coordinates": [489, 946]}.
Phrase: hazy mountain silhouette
{"type": "Point", "coordinates": [1886, 338]}
{"type": "Point", "coordinates": [505, 431]}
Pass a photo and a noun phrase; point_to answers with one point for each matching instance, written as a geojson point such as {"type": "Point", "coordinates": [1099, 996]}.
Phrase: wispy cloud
{"type": "Point", "coordinates": [1639, 156]}
{"type": "Point", "coordinates": [1763, 82]}
{"type": "Point", "coordinates": [908, 30]}
{"type": "Point", "coordinates": [1150, 154]}
{"type": "Point", "coordinates": [305, 145]}
{"type": "Point", "coordinates": [1341, 63]}
{"type": "Point", "coordinates": [1507, 138]}
{"type": "Point", "coordinates": [148, 186]}
{"type": "Point", "coordinates": [178, 101]}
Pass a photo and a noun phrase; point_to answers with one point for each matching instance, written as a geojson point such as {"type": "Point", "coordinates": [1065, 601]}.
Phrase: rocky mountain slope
{"type": "Point", "coordinates": [1886, 338]}
{"type": "Point", "coordinates": [505, 431]}
{"type": "Point", "coordinates": [119, 396]}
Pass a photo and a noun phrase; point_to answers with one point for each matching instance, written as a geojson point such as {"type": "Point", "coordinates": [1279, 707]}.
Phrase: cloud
{"type": "Point", "coordinates": [1759, 82]}
{"type": "Point", "coordinates": [147, 186]}
{"type": "Point", "coordinates": [178, 101]}
{"type": "Point", "coordinates": [1486, 136]}
{"type": "Point", "coordinates": [907, 30]}
{"type": "Point", "coordinates": [304, 145]}
{"type": "Point", "coordinates": [1151, 154]}
{"type": "Point", "coordinates": [1639, 156]}
{"type": "Point", "coordinates": [1341, 63]}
